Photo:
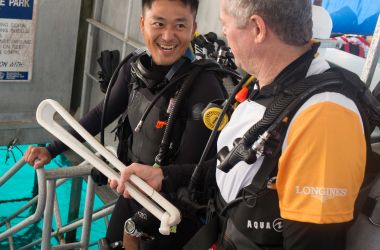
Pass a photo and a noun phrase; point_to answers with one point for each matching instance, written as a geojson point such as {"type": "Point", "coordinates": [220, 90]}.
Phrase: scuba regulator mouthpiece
{"type": "Point", "coordinates": [242, 151]}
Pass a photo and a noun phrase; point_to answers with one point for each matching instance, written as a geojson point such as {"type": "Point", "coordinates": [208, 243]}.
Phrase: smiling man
{"type": "Point", "coordinates": [168, 27]}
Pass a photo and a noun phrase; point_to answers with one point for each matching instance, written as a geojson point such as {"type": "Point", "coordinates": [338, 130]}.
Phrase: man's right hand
{"type": "Point", "coordinates": [152, 176]}
{"type": "Point", "coordinates": [37, 156]}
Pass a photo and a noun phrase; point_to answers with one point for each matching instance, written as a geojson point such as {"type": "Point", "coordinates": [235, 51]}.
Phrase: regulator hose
{"type": "Point", "coordinates": [163, 156]}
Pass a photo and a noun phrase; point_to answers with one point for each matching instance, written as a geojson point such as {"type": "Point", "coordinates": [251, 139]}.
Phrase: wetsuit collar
{"type": "Point", "coordinates": [293, 73]}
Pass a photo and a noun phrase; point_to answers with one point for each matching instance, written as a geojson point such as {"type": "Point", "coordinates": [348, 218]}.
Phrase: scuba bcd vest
{"type": "Point", "coordinates": [150, 94]}
{"type": "Point", "coordinates": [158, 102]}
{"type": "Point", "coordinates": [254, 208]}
{"type": "Point", "coordinates": [158, 91]}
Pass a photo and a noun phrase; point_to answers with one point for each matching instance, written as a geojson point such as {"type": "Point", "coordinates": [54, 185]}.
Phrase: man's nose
{"type": "Point", "coordinates": [168, 34]}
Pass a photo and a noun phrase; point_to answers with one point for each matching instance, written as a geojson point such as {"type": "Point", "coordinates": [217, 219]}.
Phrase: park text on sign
{"type": "Point", "coordinates": [17, 31]}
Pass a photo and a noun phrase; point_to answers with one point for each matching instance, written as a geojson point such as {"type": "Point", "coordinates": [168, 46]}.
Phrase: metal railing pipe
{"type": "Point", "coordinates": [16, 167]}
{"type": "Point", "coordinates": [68, 246]}
{"type": "Point", "coordinates": [27, 205]}
{"type": "Point", "coordinates": [39, 209]}
{"type": "Point", "coordinates": [59, 173]}
{"type": "Point", "coordinates": [48, 214]}
{"type": "Point", "coordinates": [98, 214]}
{"type": "Point", "coordinates": [88, 209]}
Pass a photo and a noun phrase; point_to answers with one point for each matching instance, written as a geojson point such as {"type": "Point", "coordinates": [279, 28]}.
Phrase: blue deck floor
{"type": "Point", "coordinates": [15, 193]}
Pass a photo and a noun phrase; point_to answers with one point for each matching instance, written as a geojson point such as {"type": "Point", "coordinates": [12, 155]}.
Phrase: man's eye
{"type": "Point", "coordinates": [158, 24]}
{"type": "Point", "coordinates": [181, 26]}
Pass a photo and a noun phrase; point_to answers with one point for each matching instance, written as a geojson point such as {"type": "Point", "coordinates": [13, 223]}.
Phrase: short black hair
{"type": "Point", "coordinates": [192, 3]}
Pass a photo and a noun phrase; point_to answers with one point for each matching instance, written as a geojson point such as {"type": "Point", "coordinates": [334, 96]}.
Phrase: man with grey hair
{"type": "Point", "coordinates": [300, 192]}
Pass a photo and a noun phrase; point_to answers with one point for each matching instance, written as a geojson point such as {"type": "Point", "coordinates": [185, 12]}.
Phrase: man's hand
{"type": "Point", "coordinates": [152, 176]}
{"type": "Point", "coordinates": [37, 156]}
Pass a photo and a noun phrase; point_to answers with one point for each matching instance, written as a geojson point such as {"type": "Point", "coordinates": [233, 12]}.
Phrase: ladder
{"type": "Point", "coordinates": [94, 27]}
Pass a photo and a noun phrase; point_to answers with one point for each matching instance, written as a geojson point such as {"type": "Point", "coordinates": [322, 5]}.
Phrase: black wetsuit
{"type": "Point", "coordinates": [193, 137]}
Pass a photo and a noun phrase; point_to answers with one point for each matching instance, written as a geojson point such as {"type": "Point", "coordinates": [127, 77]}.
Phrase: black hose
{"type": "Point", "coordinates": [285, 104]}
{"type": "Point", "coordinates": [162, 155]}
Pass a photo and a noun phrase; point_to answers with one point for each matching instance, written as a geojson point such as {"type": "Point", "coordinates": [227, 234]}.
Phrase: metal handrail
{"type": "Point", "coordinates": [103, 212]}
{"type": "Point", "coordinates": [37, 213]}
{"type": "Point", "coordinates": [51, 177]}
{"type": "Point", "coordinates": [48, 181]}
{"type": "Point", "coordinates": [14, 169]}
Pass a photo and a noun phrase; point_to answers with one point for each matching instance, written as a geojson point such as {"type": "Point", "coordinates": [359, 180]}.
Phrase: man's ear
{"type": "Point", "coordinates": [195, 25]}
{"type": "Point", "coordinates": [259, 28]}
{"type": "Point", "coordinates": [141, 24]}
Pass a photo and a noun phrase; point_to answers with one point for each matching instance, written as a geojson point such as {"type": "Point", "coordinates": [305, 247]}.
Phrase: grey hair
{"type": "Point", "coordinates": [290, 20]}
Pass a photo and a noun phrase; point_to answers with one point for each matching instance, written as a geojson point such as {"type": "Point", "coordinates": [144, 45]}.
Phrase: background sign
{"type": "Point", "coordinates": [17, 30]}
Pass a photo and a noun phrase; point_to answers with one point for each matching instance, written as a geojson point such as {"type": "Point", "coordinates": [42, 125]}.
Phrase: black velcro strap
{"type": "Point", "coordinates": [205, 237]}
{"type": "Point", "coordinates": [259, 181]}
{"type": "Point", "coordinates": [368, 206]}
{"type": "Point", "coordinates": [371, 208]}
